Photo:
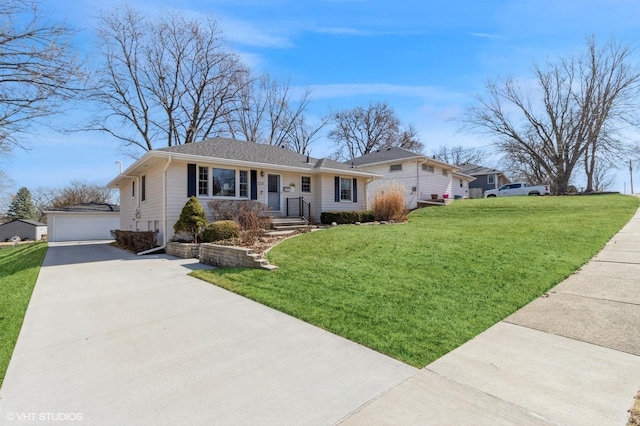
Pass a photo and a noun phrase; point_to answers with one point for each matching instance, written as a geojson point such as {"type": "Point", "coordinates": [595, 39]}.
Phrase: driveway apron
{"type": "Point", "coordinates": [111, 338]}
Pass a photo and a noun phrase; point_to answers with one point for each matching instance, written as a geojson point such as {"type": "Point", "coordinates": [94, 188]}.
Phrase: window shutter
{"type": "Point", "coordinates": [254, 184]}
{"type": "Point", "coordinates": [355, 190]}
{"type": "Point", "coordinates": [336, 189]}
{"type": "Point", "coordinates": [191, 180]}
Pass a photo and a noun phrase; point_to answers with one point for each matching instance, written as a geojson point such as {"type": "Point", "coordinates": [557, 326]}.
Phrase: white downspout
{"type": "Point", "coordinates": [164, 211]}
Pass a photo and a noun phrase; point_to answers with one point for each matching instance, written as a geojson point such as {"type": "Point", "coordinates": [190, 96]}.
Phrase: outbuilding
{"type": "Point", "coordinates": [83, 222]}
{"type": "Point", "coordinates": [25, 229]}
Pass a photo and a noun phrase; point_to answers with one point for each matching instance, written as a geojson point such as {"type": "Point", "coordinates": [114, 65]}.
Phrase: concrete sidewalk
{"type": "Point", "coordinates": [571, 357]}
{"type": "Point", "coordinates": [110, 338]}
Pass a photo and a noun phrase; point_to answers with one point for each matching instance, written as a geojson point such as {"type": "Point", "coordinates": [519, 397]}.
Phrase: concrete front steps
{"type": "Point", "coordinates": [288, 223]}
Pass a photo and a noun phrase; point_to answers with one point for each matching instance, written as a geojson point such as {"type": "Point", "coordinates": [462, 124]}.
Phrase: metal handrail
{"type": "Point", "coordinates": [301, 208]}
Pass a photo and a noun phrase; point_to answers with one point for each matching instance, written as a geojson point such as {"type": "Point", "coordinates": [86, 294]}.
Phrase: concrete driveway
{"type": "Point", "coordinates": [114, 339]}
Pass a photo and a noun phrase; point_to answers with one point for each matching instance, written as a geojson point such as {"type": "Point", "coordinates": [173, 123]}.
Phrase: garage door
{"type": "Point", "coordinates": [81, 227]}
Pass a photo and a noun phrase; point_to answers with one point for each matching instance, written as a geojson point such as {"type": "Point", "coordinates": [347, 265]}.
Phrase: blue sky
{"type": "Point", "coordinates": [426, 59]}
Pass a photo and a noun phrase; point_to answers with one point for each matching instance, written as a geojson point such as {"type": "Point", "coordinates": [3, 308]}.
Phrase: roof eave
{"type": "Point", "coordinates": [132, 170]}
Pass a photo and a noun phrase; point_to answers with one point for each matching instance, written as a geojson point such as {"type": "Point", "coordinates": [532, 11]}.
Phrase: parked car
{"type": "Point", "coordinates": [518, 188]}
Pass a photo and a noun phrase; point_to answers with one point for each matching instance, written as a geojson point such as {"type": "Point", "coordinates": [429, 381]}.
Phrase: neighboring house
{"type": "Point", "coordinates": [421, 176]}
{"type": "Point", "coordinates": [486, 178]}
{"type": "Point", "coordinates": [461, 184]}
{"type": "Point", "coordinates": [155, 188]}
{"type": "Point", "coordinates": [83, 222]}
{"type": "Point", "coordinates": [26, 229]}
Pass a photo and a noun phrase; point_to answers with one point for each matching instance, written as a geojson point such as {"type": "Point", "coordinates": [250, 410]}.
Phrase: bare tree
{"type": "Point", "coordinates": [76, 192]}
{"type": "Point", "coordinates": [302, 134]}
{"type": "Point", "coordinates": [267, 112]}
{"type": "Point", "coordinates": [580, 100]}
{"type": "Point", "coordinates": [167, 81]}
{"type": "Point", "coordinates": [524, 169]}
{"type": "Point", "coordinates": [359, 131]}
{"type": "Point", "coordinates": [601, 179]}
{"type": "Point", "coordinates": [79, 192]}
{"type": "Point", "coordinates": [457, 154]}
{"type": "Point", "coordinates": [409, 139]}
{"type": "Point", "coordinates": [38, 70]}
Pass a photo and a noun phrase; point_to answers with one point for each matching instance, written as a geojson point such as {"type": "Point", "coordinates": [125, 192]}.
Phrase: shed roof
{"type": "Point", "coordinates": [27, 221]}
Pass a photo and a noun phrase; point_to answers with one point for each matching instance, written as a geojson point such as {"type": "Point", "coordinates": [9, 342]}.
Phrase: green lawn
{"type": "Point", "coordinates": [417, 290]}
{"type": "Point", "coordinates": [19, 268]}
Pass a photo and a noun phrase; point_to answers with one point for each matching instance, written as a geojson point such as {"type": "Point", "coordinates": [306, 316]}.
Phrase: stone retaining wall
{"type": "Point", "coordinates": [231, 257]}
{"type": "Point", "coordinates": [183, 250]}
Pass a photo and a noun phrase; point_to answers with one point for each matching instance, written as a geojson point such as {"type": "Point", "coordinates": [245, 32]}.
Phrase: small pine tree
{"type": "Point", "coordinates": [192, 219]}
{"type": "Point", "coordinates": [22, 206]}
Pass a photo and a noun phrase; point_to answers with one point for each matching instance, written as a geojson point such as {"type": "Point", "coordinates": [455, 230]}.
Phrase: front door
{"type": "Point", "coordinates": [273, 192]}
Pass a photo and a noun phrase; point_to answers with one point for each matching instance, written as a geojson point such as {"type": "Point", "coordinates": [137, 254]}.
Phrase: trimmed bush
{"type": "Point", "coordinates": [342, 218]}
{"type": "Point", "coordinates": [388, 202]}
{"type": "Point", "coordinates": [192, 219]}
{"type": "Point", "coordinates": [221, 230]}
{"type": "Point", "coordinates": [135, 241]}
{"type": "Point", "coordinates": [249, 214]}
{"type": "Point", "coordinates": [252, 216]}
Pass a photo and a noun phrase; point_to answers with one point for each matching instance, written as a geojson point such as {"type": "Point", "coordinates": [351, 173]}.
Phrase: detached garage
{"type": "Point", "coordinates": [83, 222]}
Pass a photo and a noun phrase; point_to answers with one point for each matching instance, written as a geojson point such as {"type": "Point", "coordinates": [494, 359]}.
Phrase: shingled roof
{"type": "Point", "coordinates": [28, 221]}
{"type": "Point", "coordinates": [88, 207]}
{"type": "Point", "coordinates": [476, 170]}
{"type": "Point", "coordinates": [384, 154]}
{"type": "Point", "coordinates": [232, 149]}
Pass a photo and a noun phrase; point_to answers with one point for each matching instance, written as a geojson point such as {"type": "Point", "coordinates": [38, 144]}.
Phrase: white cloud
{"type": "Point", "coordinates": [342, 31]}
{"type": "Point", "coordinates": [248, 34]}
{"type": "Point", "coordinates": [486, 35]}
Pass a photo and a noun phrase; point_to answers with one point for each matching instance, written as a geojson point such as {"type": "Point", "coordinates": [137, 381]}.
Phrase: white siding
{"type": "Point", "coordinates": [411, 176]}
{"type": "Point", "coordinates": [406, 177]}
{"type": "Point", "coordinates": [176, 194]}
{"type": "Point", "coordinates": [127, 206]}
{"type": "Point", "coordinates": [460, 187]}
{"type": "Point", "coordinates": [435, 183]}
{"type": "Point", "coordinates": [321, 196]}
{"type": "Point", "coordinates": [327, 195]}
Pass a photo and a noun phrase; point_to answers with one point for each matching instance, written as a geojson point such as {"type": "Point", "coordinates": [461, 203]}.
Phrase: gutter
{"type": "Point", "coordinates": [164, 211]}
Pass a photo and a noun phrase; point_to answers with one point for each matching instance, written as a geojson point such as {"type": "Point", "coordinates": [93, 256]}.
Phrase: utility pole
{"type": "Point", "coordinates": [631, 175]}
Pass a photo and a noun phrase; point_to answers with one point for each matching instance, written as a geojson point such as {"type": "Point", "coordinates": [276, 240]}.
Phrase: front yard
{"type": "Point", "coordinates": [417, 290]}
{"type": "Point", "coordinates": [19, 268]}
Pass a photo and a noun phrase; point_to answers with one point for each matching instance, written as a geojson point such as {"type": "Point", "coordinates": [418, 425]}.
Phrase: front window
{"type": "Point", "coordinates": [395, 167]}
{"type": "Point", "coordinates": [345, 189]}
{"type": "Point", "coordinates": [244, 184]}
{"type": "Point", "coordinates": [224, 182]}
{"type": "Point", "coordinates": [427, 168]}
{"type": "Point", "coordinates": [461, 184]}
{"type": "Point", "coordinates": [490, 179]}
{"type": "Point", "coordinates": [305, 184]}
{"type": "Point", "coordinates": [143, 188]}
{"type": "Point", "coordinates": [203, 181]}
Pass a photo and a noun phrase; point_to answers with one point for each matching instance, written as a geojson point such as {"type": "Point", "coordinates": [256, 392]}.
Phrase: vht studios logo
{"type": "Point", "coordinates": [45, 417]}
